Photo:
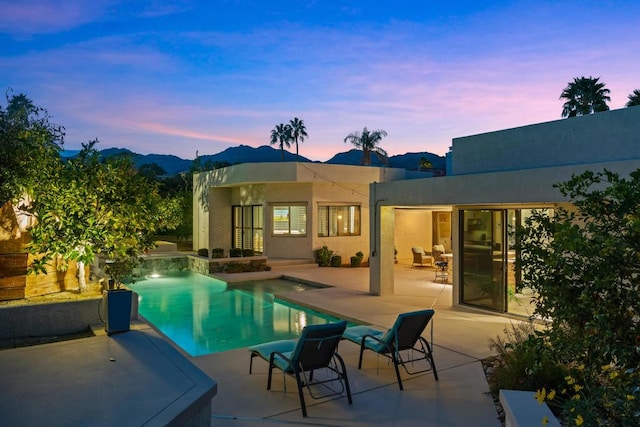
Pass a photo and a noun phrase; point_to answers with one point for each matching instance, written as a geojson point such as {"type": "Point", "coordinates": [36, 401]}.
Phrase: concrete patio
{"type": "Point", "coordinates": [75, 382]}
{"type": "Point", "coordinates": [460, 398]}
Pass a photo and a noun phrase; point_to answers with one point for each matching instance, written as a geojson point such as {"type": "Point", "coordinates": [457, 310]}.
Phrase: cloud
{"type": "Point", "coordinates": [30, 17]}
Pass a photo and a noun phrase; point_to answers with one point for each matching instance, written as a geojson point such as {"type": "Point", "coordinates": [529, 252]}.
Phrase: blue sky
{"type": "Point", "coordinates": [183, 77]}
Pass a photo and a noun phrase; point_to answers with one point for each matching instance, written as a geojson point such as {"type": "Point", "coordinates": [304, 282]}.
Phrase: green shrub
{"type": "Point", "coordinates": [235, 252]}
{"type": "Point", "coordinates": [217, 253]}
{"type": "Point", "coordinates": [336, 261]}
{"type": "Point", "coordinates": [323, 256]}
{"type": "Point", "coordinates": [356, 261]}
{"type": "Point", "coordinates": [523, 361]}
{"type": "Point", "coordinates": [248, 252]}
{"type": "Point", "coordinates": [203, 252]}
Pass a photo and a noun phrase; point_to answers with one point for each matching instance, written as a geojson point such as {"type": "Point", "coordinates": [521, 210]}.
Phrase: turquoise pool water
{"type": "Point", "coordinates": [204, 315]}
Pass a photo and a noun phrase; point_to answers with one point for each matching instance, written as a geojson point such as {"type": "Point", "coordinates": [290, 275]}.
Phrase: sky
{"type": "Point", "coordinates": [187, 77]}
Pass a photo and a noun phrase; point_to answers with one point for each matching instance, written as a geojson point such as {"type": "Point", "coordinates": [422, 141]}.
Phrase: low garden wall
{"type": "Point", "coordinates": [40, 320]}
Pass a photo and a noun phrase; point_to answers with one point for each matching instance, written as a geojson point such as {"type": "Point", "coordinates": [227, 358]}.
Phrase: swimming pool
{"type": "Point", "coordinates": [204, 315]}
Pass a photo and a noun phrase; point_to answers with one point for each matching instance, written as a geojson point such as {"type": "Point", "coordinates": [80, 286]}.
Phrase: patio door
{"type": "Point", "coordinates": [482, 251]}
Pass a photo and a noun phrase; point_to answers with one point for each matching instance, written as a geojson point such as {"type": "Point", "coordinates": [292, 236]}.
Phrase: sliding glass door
{"type": "Point", "coordinates": [482, 251]}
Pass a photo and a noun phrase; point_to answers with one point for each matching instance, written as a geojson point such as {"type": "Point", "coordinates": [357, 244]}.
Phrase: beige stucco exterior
{"type": "Point", "coordinates": [513, 168]}
{"type": "Point", "coordinates": [266, 184]}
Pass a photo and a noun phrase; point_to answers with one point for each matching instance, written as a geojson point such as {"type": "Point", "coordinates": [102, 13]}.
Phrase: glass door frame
{"type": "Point", "coordinates": [482, 242]}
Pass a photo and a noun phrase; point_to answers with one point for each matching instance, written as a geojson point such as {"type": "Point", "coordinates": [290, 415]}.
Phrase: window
{"type": "Point", "coordinates": [338, 221]}
{"type": "Point", "coordinates": [289, 220]}
{"type": "Point", "coordinates": [248, 228]}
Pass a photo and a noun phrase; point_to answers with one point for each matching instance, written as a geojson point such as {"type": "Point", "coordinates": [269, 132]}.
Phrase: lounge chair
{"type": "Point", "coordinates": [421, 257]}
{"type": "Point", "coordinates": [315, 349]}
{"type": "Point", "coordinates": [405, 334]}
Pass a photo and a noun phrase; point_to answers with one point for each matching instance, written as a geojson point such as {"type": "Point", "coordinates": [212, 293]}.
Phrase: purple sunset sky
{"type": "Point", "coordinates": [173, 77]}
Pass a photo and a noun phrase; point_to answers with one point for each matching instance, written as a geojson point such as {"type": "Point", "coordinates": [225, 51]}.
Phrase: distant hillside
{"type": "Point", "coordinates": [173, 165]}
{"type": "Point", "coordinates": [410, 161]}
{"type": "Point", "coordinates": [246, 154]}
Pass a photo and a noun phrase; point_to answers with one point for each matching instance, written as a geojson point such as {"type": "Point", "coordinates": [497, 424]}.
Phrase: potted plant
{"type": "Point", "coordinates": [117, 298]}
{"type": "Point", "coordinates": [323, 256]}
{"type": "Point", "coordinates": [356, 261]}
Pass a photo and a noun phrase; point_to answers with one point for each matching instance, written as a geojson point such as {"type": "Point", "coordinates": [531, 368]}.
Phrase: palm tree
{"type": "Point", "coordinates": [584, 96]}
{"type": "Point", "coordinates": [298, 131]}
{"type": "Point", "coordinates": [281, 134]}
{"type": "Point", "coordinates": [368, 143]}
{"type": "Point", "coordinates": [634, 99]}
{"type": "Point", "coordinates": [425, 164]}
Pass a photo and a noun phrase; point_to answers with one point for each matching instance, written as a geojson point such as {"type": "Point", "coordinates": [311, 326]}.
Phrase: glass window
{"type": "Point", "coordinates": [338, 221]}
{"type": "Point", "coordinates": [290, 220]}
{"type": "Point", "coordinates": [247, 228]}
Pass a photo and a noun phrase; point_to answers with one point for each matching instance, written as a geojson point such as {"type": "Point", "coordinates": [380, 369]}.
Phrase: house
{"type": "Point", "coordinates": [288, 209]}
{"type": "Point", "coordinates": [494, 181]}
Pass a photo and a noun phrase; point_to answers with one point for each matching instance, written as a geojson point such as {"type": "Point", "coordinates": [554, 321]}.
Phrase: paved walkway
{"type": "Point", "coordinates": [459, 398]}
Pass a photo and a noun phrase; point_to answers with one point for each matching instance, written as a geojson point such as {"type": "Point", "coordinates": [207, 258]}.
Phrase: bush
{"type": "Point", "coordinates": [248, 252]}
{"type": "Point", "coordinates": [203, 252]}
{"type": "Point", "coordinates": [582, 263]}
{"type": "Point", "coordinates": [217, 253]}
{"type": "Point", "coordinates": [356, 261]}
{"type": "Point", "coordinates": [235, 252]}
{"type": "Point", "coordinates": [523, 361]}
{"type": "Point", "coordinates": [323, 256]}
{"type": "Point", "coordinates": [336, 261]}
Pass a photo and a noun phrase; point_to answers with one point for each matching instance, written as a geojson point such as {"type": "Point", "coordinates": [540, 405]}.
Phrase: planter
{"type": "Point", "coordinates": [117, 310]}
{"type": "Point", "coordinates": [13, 276]}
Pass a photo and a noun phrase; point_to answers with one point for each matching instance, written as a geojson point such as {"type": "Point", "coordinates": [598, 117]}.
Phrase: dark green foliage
{"type": "Point", "coordinates": [523, 362]}
{"type": "Point", "coordinates": [583, 264]}
{"type": "Point", "coordinates": [248, 252]}
{"type": "Point", "coordinates": [203, 252]}
{"type": "Point", "coordinates": [336, 261]}
{"type": "Point", "coordinates": [217, 253]}
{"type": "Point", "coordinates": [235, 252]}
{"type": "Point", "coordinates": [29, 147]}
{"type": "Point", "coordinates": [323, 256]}
{"type": "Point", "coordinates": [585, 96]}
{"type": "Point", "coordinates": [356, 261]}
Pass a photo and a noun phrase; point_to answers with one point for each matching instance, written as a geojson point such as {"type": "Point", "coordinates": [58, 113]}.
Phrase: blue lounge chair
{"type": "Point", "coordinates": [315, 349]}
{"type": "Point", "coordinates": [405, 334]}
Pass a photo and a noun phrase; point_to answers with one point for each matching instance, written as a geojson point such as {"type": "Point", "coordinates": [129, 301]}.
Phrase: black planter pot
{"type": "Point", "coordinates": [118, 310]}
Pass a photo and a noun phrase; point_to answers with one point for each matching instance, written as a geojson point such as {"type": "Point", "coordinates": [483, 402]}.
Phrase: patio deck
{"type": "Point", "coordinates": [57, 390]}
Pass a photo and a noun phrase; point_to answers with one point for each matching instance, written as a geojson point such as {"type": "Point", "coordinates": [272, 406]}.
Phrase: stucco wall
{"type": "Point", "coordinates": [413, 228]}
{"type": "Point", "coordinates": [603, 137]}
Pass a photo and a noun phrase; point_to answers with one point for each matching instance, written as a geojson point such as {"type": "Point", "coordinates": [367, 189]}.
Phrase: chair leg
{"type": "Point", "coordinates": [301, 394]}
{"type": "Point", "coordinates": [269, 377]}
{"type": "Point", "coordinates": [431, 361]}
{"type": "Point", "coordinates": [395, 365]}
{"type": "Point", "coordinates": [251, 362]}
{"type": "Point", "coordinates": [345, 377]}
{"type": "Point", "coordinates": [361, 351]}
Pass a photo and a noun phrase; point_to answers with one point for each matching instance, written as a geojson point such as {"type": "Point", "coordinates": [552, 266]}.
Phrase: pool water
{"type": "Point", "coordinates": [204, 315]}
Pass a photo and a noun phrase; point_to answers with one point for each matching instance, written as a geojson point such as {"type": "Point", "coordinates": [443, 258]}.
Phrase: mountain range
{"type": "Point", "coordinates": [173, 165]}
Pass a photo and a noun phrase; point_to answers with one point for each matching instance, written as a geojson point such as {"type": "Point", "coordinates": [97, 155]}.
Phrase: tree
{"type": "Point", "coordinates": [583, 266]}
{"type": "Point", "coordinates": [368, 142]}
{"type": "Point", "coordinates": [584, 96]}
{"type": "Point", "coordinates": [86, 206]}
{"type": "Point", "coordinates": [29, 146]}
{"type": "Point", "coordinates": [634, 99]}
{"type": "Point", "coordinates": [298, 131]}
{"type": "Point", "coordinates": [281, 135]}
{"type": "Point", "coordinates": [425, 164]}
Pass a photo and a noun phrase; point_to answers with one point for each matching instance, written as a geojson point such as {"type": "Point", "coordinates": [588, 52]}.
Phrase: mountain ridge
{"type": "Point", "coordinates": [174, 165]}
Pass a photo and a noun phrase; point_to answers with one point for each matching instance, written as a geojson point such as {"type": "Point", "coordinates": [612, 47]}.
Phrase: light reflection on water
{"type": "Point", "coordinates": [205, 315]}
